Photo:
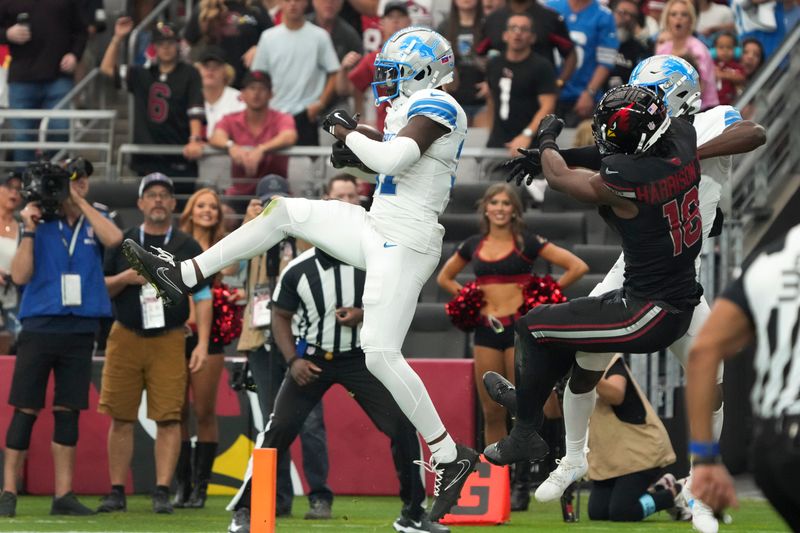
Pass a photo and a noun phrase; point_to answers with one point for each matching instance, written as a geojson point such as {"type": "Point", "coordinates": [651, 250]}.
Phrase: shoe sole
{"type": "Point", "coordinates": [140, 269]}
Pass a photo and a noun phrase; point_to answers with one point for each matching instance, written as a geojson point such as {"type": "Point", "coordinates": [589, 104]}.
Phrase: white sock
{"type": "Point", "coordinates": [444, 451]}
{"type": "Point", "coordinates": [717, 418]}
{"type": "Point", "coordinates": [578, 409]}
{"type": "Point", "coordinates": [188, 273]}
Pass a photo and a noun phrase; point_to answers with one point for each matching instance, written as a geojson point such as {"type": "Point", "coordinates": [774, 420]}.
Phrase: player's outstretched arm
{"type": "Point", "coordinates": [740, 137]}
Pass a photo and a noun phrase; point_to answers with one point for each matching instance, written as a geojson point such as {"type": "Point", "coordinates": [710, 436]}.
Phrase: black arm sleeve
{"type": "Point", "coordinates": [584, 157]}
{"type": "Point", "coordinates": [736, 293]}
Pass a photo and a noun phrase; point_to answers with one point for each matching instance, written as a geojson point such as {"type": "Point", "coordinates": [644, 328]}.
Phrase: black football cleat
{"type": "Point", "coordinates": [501, 391]}
{"type": "Point", "coordinates": [514, 448]}
{"type": "Point", "coordinates": [449, 479]}
{"type": "Point", "coordinates": [161, 271]}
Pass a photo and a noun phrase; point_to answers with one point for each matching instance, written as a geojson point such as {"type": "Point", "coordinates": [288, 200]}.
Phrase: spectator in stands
{"type": "Point", "coordinates": [252, 136]}
{"type": "Point", "coordinates": [760, 19]}
{"type": "Point", "coordinates": [232, 25]}
{"type": "Point", "coordinates": [712, 18]}
{"type": "Point", "coordinates": [631, 50]}
{"type": "Point", "coordinates": [302, 62]}
{"type": "Point", "coordinates": [344, 37]}
{"type": "Point", "coordinates": [730, 74]}
{"type": "Point", "coordinates": [503, 256]}
{"type": "Point", "coordinates": [145, 349]}
{"type": "Point", "coordinates": [46, 40]}
{"type": "Point", "coordinates": [552, 40]}
{"type": "Point", "coordinates": [592, 28]}
{"type": "Point", "coordinates": [522, 88]}
{"type": "Point", "coordinates": [202, 219]}
{"type": "Point", "coordinates": [357, 72]}
{"type": "Point", "coordinates": [463, 29]}
{"type": "Point", "coordinates": [60, 262]}
{"type": "Point", "coordinates": [678, 21]}
{"type": "Point", "coordinates": [752, 60]}
{"type": "Point", "coordinates": [266, 363]}
{"type": "Point", "coordinates": [328, 353]}
{"type": "Point", "coordinates": [10, 231]}
{"type": "Point", "coordinates": [220, 100]}
{"type": "Point", "coordinates": [629, 450]}
{"type": "Point", "coordinates": [168, 103]}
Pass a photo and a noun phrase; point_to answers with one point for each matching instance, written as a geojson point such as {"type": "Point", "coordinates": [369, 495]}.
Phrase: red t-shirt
{"type": "Point", "coordinates": [725, 88]}
{"type": "Point", "coordinates": [236, 127]}
{"type": "Point", "coordinates": [362, 77]}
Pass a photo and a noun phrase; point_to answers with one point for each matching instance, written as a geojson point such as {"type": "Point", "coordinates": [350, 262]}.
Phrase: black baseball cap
{"type": "Point", "coordinates": [10, 176]}
{"type": "Point", "coordinates": [395, 5]}
{"type": "Point", "coordinates": [213, 53]}
{"type": "Point", "coordinates": [272, 185]}
{"type": "Point", "coordinates": [156, 178]}
{"type": "Point", "coordinates": [258, 76]}
{"type": "Point", "coordinates": [163, 31]}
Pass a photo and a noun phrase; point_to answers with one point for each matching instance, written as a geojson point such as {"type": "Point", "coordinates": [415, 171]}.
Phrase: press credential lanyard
{"type": "Point", "coordinates": [152, 306]}
{"type": "Point", "coordinates": [70, 281]}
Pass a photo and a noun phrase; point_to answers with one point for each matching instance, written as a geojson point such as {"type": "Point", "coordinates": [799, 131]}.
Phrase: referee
{"type": "Point", "coordinates": [763, 305]}
{"type": "Point", "coordinates": [319, 298]}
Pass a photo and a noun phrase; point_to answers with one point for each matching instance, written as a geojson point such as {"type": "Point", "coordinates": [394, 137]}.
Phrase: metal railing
{"type": "Point", "coordinates": [763, 180]}
{"type": "Point", "coordinates": [102, 136]}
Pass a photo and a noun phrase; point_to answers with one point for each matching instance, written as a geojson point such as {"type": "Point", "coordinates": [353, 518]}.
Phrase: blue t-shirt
{"type": "Point", "coordinates": [595, 36]}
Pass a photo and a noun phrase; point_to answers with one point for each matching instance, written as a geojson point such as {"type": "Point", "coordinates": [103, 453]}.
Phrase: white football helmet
{"type": "Point", "coordinates": [411, 60]}
{"type": "Point", "coordinates": [674, 78]}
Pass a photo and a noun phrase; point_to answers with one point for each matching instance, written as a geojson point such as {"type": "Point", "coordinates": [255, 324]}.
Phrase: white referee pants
{"type": "Point", "coordinates": [394, 278]}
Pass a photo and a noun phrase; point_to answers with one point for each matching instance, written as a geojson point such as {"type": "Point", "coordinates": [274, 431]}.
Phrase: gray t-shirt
{"type": "Point", "coordinates": [299, 62]}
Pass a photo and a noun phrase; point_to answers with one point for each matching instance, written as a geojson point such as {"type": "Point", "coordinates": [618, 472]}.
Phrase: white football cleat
{"type": "Point", "coordinates": [703, 519]}
{"type": "Point", "coordinates": [565, 474]}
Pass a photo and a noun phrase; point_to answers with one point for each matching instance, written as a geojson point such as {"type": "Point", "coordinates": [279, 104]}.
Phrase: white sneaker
{"type": "Point", "coordinates": [703, 519]}
{"type": "Point", "coordinates": [565, 474]}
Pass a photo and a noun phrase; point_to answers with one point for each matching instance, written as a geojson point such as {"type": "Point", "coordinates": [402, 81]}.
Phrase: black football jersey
{"type": "Point", "coordinates": [662, 242]}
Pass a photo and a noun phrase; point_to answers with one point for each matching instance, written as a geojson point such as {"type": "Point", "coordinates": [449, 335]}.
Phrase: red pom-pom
{"type": "Point", "coordinates": [464, 309]}
{"type": "Point", "coordinates": [538, 291]}
{"type": "Point", "coordinates": [227, 322]}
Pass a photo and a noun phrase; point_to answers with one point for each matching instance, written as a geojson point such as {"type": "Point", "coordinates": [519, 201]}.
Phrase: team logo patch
{"type": "Point", "coordinates": [652, 109]}
{"type": "Point", "coordinates": [412, 43]}
{"type": "Point", "coordinates": [651, 126]}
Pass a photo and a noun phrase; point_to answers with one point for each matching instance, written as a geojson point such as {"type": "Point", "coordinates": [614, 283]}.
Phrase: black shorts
{"type": "Point", "coordinates": [68, 355]}
{"type": "Point", "coordinates": [214, 348]}
{"type": "Point", "coordinates": [487, 337]}
{"type": "Point", "coordinates": [611, 322]}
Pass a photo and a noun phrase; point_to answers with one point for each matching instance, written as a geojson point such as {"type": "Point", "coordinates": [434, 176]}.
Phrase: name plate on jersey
{"type": "Point", "coordinates": [261, 316]}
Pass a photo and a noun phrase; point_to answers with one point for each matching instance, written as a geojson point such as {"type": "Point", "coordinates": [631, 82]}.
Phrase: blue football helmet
{"type": "Point", "coordinates": [411, 60]}
{"type": "Point", "coordinates": [674, 79]}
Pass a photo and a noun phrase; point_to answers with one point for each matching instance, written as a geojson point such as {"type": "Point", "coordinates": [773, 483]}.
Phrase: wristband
{"type": "Point", "coordinates": [30, 234]}
{"type": "Point", "coordinates": [703, 449]}
{"type": "Point", "coordinates": [547, 143]}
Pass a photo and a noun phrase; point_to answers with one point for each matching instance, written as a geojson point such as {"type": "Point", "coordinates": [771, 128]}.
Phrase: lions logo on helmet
{"type": "Point", "coordinates": [411, 60]}
{"type": "Point", "coordinates": [674, 78]}
{"type": "Point", "coordinates": [629, 119]}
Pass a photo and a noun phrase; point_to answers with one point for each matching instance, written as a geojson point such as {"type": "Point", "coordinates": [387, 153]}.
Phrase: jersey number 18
{"type": "Point", "coordinates": [686, 226]}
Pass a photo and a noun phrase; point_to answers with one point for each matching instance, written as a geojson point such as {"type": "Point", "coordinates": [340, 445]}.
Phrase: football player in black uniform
{"type": "Point", "coordinates": [647, 188]}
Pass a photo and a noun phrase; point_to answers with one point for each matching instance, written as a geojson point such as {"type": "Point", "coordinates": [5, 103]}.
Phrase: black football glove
{"type": "Point", "coordinates": [524, 167]}
{"type": "Point", "coordinates": [549, 129]}
{"type": "Point", "coordinates": [339, 117]}
{"type": "Point", "coordinates": [342, 157]}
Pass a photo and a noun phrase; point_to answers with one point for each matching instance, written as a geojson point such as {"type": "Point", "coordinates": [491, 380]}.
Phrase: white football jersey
{"type": "Point", "coordinates": [406, 207]}
{"type": "Point", "coordinates": [716, 171]}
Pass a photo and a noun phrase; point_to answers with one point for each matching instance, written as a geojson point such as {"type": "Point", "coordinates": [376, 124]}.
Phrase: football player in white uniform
{"type": "Point", "coordinates": [721, 132]}
{"type": "Point", "coordinates": [397, 243]}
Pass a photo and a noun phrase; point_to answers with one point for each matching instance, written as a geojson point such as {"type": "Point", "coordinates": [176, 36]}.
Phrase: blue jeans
{"type": "Point", "coordinates": [36, 95]}
{"type": "Point", "coordinates": [269, 369]}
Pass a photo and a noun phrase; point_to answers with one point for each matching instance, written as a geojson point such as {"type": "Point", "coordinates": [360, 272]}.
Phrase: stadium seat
{"type": "Point", "coordinates": [464, 197]}
{"type": "Point", "coordinates": [583, 286]}
{"type": "Point", "coordinates": [459, 226]}
{"type": "Point", "coordinates": [599, 257]}
{"type": "Point", "coordinates": [432, 335]}
{"type": "Point", "coordinates": [558, 202]}
{"type": "Point", "coordinates": [121, 198]}
{"type": "Point", "coordinates": [564, 229]}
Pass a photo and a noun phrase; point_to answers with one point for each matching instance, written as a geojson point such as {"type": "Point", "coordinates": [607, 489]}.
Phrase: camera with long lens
{"type": "Point", "coordinates": [47, 184]}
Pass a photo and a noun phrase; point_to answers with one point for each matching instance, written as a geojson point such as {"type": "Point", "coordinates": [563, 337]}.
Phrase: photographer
{"type": "Point", "coordinates": [60, 260]}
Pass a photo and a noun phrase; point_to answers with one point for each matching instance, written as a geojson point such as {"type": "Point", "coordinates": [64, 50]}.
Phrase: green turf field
{"type": "Point", "coordinates": [358, 514]}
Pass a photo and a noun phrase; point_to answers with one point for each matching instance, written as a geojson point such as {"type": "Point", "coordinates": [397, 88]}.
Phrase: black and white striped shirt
{"type": "Point", "coordinates": [769, 292]}
{"type": "Point", "coordinates": [313, 286]}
